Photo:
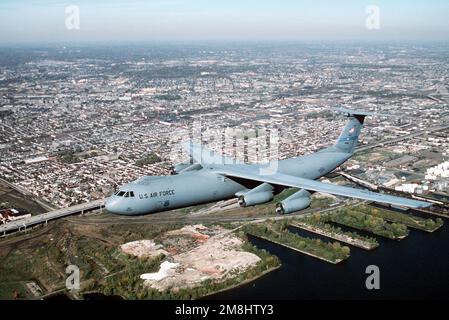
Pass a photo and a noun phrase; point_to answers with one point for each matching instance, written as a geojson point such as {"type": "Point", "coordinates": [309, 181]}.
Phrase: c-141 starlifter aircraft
{"type": "Point", "coordinates": [213, 177]}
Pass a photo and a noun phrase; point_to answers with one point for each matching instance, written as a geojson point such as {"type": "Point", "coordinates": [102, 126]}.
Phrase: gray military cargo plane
{"type": "Point", "coordinates": [213, 177]}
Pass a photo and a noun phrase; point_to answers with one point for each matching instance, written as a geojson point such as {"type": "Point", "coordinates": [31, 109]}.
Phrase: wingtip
{"type": "Point", "coordinates": [426, 205]}
{"type": "Point", "coordinates": [420, 204]}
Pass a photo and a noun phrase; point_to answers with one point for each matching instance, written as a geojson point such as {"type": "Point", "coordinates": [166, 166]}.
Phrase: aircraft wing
{"type": "Point", "coordinates": [251, 173]}
{"type": "Point", "coordinates": [205, 156]}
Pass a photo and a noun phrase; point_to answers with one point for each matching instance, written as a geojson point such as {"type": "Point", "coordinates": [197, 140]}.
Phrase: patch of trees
{"type": "Point", "coordinates": [319, 221]}
{"type": "Point", "coordinates": [363, 221]}
{"type": "Point", "coordinates": [69, 157]}
{"type": "Point", "coordinates": [278, 232]}
{"type": "Point", "coordinates": [149, 159]}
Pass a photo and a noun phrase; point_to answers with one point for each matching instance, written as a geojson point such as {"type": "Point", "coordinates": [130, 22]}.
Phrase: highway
{"type": "Point", "coordinates": [26, 193]}
{"type": "Point", "coordinates": [51, 215]}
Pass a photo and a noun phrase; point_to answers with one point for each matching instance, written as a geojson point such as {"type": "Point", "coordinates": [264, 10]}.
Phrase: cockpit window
{"type": "Point", "coordinates": [125, 194]}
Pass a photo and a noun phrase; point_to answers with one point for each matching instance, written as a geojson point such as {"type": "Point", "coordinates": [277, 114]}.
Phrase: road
{"type": "Point", "coordinates": [51, 215]}
{"type": "Point", "coordinates": [26, 193]}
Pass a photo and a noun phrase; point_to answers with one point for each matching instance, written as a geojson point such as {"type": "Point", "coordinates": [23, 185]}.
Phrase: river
{"type": "Point", "coordinates": [415, 268]}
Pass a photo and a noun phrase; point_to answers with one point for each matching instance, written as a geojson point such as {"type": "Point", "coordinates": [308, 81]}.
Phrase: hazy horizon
{"type": "Point", "coordinates": [23, 21]}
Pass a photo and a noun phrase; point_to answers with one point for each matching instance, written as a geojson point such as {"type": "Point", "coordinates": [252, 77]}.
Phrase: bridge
{"type": "Point", "coordinates": [23, 224]}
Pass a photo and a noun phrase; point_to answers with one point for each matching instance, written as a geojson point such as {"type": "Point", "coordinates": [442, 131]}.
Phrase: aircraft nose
{"type": "Point", "coordinates": [112, 205]}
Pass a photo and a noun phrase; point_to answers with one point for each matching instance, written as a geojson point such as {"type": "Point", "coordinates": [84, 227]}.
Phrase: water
{"type": "Point", "coordinates": [414, 268]}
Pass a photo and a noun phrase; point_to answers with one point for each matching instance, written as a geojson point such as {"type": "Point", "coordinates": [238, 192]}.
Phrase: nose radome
{"type": "Point", "coordinates": [112, 205]}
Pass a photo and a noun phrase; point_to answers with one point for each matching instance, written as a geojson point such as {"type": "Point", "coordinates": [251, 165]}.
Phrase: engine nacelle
{"type": "Point", "coordinates": [253, 198]}
{"type": "Point", "coordinates": [297, 201]}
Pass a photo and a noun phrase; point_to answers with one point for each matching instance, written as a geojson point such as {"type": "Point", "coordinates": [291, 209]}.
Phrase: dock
{"type": "Point", "coordinates": [296, 249]}
{"type": "Point", "coordinates": [339, 237]}
{"type": "Point", "coordinates": [368, 231]}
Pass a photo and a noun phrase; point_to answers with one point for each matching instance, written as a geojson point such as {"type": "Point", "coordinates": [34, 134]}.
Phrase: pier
{"type": "Point", "coordinates": [296, 249]}
{"type": "Point", "coordinates": [335, 236]}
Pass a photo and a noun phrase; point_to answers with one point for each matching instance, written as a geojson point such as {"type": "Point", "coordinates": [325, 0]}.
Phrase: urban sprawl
{"type": "Point", "coordinates": [76, 122]}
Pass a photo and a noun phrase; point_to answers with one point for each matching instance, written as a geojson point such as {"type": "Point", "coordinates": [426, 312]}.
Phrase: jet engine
{"type": "Point", "coordinates": [297, 201]}
{"type": "Point", "coordinates": [260, 194]}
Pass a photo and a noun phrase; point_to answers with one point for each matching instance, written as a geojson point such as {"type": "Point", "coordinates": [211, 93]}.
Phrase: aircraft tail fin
{"type": "Point", "coordinates": [349, 136]}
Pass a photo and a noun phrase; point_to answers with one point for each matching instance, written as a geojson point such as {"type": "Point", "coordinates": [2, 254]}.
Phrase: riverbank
{"type": "Point", "coordinates": [241, 284]}
{"type": "Point", "coordinates": [276, 232]}
{"type": "Point", "coordinates": [424, 224]}
{"type": "Point", "coordinates": [298, 250]}
{"type": "Point", "coordinates": [356, 219]}
{"type": "Point", "coordinates": [342, 237]}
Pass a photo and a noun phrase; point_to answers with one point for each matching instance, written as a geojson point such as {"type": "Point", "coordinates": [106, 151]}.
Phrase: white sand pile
{"type": "Point", "coordinates": [214, 258]}
{"type": "Point", "coordinates": [143, 248]}
{"type": "Point", "coordinates": [166, 269]}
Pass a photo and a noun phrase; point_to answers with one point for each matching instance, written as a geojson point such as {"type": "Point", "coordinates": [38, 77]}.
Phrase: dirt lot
{"type": "Point", "coordinates": [195, 254]}
{"type": "Point", "coordinates": [43, 254]}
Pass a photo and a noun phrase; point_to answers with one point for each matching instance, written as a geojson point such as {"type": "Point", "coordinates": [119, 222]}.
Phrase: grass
{"type": "Point", "coordinates": [319, 221]}
{"type": "Point", "coordinates": [321, 202]}
{"type": "Point", "coordinates": [428, 225]}
{"type": "Point", "coordinates": [278, 232]}
{"type": "Point", "coordinates": [7, 290]}
{"type": "Point", "coordinates": [353, 218]}
{"type": "Point", "coordinates": [284, 194]}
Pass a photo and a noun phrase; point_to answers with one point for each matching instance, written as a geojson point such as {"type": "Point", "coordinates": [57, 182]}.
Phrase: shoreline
{"type": "Point", "coordinates": [355, 242]}
{"type": "Point", "coordinates": [299, 250]}
{"type": "Point", "coordinates": [241, 283]}
{"type": "Point", "coordinates": [234, 286]}
{"type": "Point", "coordinates": [413, 226]}
{"type": "Point", "coordinates": [371, 232]}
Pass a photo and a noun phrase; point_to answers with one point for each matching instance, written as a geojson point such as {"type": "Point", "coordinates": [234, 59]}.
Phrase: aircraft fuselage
{"type": "Point", "coordinates": [158, 193]}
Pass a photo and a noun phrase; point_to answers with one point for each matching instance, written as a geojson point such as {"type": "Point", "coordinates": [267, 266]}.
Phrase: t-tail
{"type": "Point", "coordinates": [349, 137]}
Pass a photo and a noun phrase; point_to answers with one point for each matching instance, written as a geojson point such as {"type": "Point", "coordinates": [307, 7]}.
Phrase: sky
{"type": "Point", "coordinates": [222, 20]}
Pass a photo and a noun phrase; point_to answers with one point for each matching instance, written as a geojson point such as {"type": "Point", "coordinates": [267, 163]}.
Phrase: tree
{"type": "Point", "coordinates": [346, 251]}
